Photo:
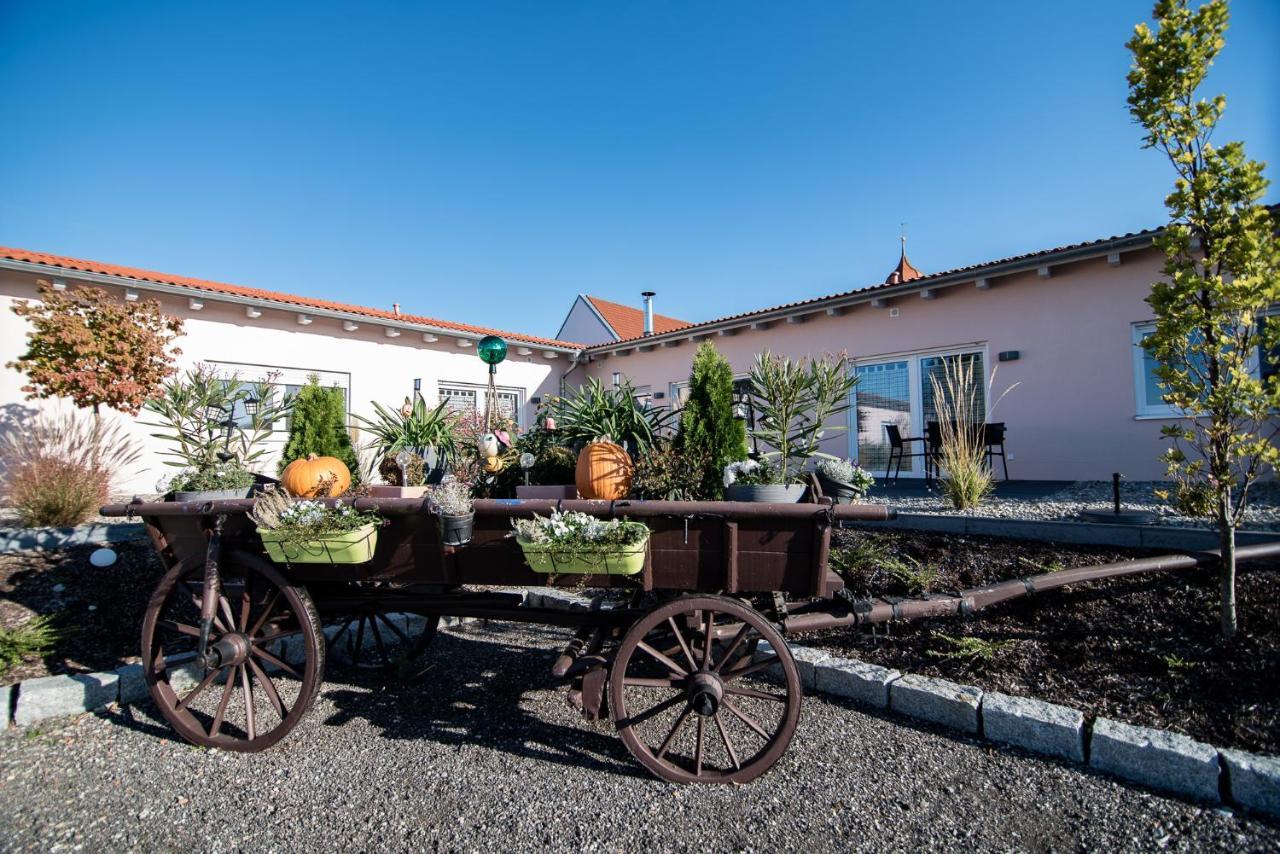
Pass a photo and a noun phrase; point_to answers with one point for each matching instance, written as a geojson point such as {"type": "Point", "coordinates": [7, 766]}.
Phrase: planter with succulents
{"type": "Point", "coordinates": [308, 531]}
{"type": "Point", "coordinates": [580, 544]}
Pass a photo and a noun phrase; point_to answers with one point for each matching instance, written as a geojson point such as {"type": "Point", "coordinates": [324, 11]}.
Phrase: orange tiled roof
{"type": "Point", "coordinates": [272, 296]}
{"type": "Point", "coordinates": [628, 322]}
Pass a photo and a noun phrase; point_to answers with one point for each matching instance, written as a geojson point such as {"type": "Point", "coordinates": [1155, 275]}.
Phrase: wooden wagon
{"type": "Point", "coordinates": [678, 660]}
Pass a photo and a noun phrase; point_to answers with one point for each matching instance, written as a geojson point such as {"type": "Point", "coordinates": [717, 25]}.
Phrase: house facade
{"type": "Point", "coordinates": [1060, 330]}
{"type": "Point", "coordinates": [257, 335]}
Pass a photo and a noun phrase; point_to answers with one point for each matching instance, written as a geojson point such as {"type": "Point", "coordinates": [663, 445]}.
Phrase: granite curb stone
{"type": "Point", "coordinates": [54, 696]}
{"type": "Point", "coordinates": [863, 683]}
{"type": "Point", "coordinates": [937, 701]}
{"type": "Point", "coordinates": [1034, 725]}
{"type": "Point", "coordinates": [1253, 780]}
{"type": "Point", "coordinates": [1156, 758]}
{"type": "Point", "coordinates": [133, 685]}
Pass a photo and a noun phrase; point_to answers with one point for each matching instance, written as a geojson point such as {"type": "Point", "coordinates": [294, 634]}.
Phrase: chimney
{"type": "Point", "coordinates": [395, 308]}
{"type": "Point", "coordinates": [648, 296]}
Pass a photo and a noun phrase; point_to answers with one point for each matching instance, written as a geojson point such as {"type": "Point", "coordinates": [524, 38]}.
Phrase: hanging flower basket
{"type": "Point", "coordinates": [580, 544]}
{"type": "Point", "coordinates": [349, 547]}
{"type": "Point", "coordinates": [550, 559]}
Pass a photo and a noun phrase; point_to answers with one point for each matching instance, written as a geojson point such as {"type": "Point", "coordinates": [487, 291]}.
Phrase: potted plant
{"type": "Point", "coordinates": [222, 480]}
{"type": "Point", "coordinates": [759, 480]}
{"type": "Point", "coordinates": [427, 433]}
{"type": "Point", "coordinates": [308, 531]}
{"type": "Point", "coordinates": [452, 501]}
{"type": "Point", "coordinates": [580, 544]}
{"type": "Point", "coordinates": [843, 480]}
{"type": "Point", "coordinates": [794, 400]}
{"type": "Point", "coordinates": [217, 428]}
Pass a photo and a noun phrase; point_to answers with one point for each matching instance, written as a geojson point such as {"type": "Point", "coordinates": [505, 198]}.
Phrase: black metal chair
{"type": "Point", "coordinates": [899, 450]}
{"type": "Point", "coordinates": [993, 437]}
{"type": "Point", "coordinates": [932, 449]}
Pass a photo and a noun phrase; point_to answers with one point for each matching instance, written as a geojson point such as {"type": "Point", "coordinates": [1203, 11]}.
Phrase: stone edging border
{"type": "Point", "coordinates": [1159, 759]}
{"type": "Point", "coordinates": [1172, 537]}
{"type": "Point", "coordinates": [28, 539]}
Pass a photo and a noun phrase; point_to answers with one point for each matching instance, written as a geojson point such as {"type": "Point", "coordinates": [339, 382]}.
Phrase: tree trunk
{"type": "Point", "coordinates": [1227, 580]}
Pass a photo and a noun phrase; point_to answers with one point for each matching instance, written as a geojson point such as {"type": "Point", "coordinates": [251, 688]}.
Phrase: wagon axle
{"type": "Point", "coordinates": [705, 692]}
{"type": "Point", "coordinates": [228, 650]}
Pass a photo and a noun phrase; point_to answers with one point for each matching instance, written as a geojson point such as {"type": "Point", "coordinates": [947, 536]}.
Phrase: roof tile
{"type": "Point", "coordinates": [258, 293]}
{"type": "Point", "coordinates": [628, 322]}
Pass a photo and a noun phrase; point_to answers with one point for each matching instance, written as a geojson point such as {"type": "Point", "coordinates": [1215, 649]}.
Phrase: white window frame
{"type": "Point", "coordinates": [1142, 407]}
{"type": "Point", "coordinates": [1145, 410]}
{"type": "Point", "coordinates": [481, 391]}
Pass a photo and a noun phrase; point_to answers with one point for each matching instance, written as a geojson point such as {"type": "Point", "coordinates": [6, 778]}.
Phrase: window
{"type": "Point", "coordinates": [1268, 360]}
{"type": "Point", "coordinates": [466, 399]}
{"type": "Point", "coordinates": [460, 400]}
{"type": "Point", "coordinates": [1150, 402]}
{"type": "Point", "coordinates": [1150, 395]}
{"type": "Point", "coordinates": [284, 382]}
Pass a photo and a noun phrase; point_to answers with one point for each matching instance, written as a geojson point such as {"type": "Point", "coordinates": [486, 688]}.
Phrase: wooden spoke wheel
{"type": "Point", "coordinates": [689, 700]}
{"type": "Point", "coordinates": [373, 640]}
{"type": "Point", "coordinates": [264, 661]}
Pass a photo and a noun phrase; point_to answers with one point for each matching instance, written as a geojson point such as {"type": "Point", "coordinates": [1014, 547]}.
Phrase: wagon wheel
{"type": "Point", "coordinates": [689, 701]}
{"type": "Point", "coordinates": [265, 657]}
{"type": "Point", "coordinates": [370, 639]}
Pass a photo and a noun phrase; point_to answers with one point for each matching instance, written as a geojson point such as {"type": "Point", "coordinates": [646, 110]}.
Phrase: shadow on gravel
{"type": "Point", "coordinates": [477, 690]}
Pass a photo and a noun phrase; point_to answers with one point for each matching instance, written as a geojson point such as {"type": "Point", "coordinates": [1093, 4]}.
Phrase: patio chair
{"type": "Point", "coordinates": [899, 450]}
{"type": "Point", "coordinates": [993, 437]}
{"type": "Point", "coordinates": [933, 450]}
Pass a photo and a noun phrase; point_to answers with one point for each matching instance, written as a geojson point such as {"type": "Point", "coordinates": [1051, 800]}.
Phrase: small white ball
{"type": "Point", "coordinates": [103, 557]}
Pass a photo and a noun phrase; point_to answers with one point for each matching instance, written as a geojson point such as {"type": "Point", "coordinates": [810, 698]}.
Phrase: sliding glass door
{"type": "Point", "coordinates": [900, 392]}
{"type": "Point", "coordinates": [883, 397]}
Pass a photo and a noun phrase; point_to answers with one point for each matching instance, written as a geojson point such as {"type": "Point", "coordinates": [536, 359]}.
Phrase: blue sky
{"type": "Point", "coordinates": [486, 162]}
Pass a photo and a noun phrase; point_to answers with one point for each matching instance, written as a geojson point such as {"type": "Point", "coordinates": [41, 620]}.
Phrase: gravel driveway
{"type": "Point", "coordinates": [490, 758]}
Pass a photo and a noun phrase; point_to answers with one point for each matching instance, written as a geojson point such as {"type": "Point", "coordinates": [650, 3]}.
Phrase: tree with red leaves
{"type": "Point", "coordinates": [94, 349]}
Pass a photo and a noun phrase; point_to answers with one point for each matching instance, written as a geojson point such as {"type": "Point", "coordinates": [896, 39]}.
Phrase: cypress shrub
{"type": "Point", "coordinates": [707, 425]}
{"type": "Point", "coordinates": [319, 426]}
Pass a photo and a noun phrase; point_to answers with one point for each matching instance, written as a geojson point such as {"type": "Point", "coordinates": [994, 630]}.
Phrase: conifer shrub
{"type": "Point", "coordinates": [708, 429]}
{"type": "Point", "coordinates": [319, 426]}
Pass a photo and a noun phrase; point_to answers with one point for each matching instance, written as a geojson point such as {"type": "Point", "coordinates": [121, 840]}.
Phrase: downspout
{"type": "Point", "coordinates": [574, 361]}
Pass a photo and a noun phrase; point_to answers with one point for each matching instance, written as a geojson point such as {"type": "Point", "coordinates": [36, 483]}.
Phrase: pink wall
{"type": "Point", "coordinates": [1072, 417]}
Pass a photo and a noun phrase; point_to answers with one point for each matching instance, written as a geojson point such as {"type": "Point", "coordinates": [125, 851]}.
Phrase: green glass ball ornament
{"type": "Point", "coordinates": [492, 349]}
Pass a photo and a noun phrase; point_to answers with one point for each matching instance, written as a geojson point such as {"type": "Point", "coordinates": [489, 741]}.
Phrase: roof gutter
{"type": "Point", "coordinates": [882, 292]}
{"type": "Point", "coordinates": [263, 302]}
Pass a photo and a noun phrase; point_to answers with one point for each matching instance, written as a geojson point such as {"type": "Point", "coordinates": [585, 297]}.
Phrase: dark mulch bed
{"type": "Point", "coordinates": [97, 611]}
{"type": "Point", "coordinates": [1145, 650]}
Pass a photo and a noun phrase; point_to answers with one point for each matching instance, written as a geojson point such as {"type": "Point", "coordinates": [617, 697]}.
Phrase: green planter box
{"type": "Point", "coordinates": [353, 547]}
{"type": "Point", "coordinates": [560, 560]}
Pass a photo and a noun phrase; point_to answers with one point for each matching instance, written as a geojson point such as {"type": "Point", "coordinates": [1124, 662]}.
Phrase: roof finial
{"type": "Point", "coordinates": [904, 272]}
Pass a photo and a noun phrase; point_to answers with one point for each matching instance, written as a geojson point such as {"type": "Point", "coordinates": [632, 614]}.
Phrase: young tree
{"type": "Point", "coordinates": [1222, 273]}
{"type": "Point", "coordinates": [319, 426]}
{"type": "Point", "coordinates": [96, 350]}
{"type": "Point", "coordinates": [707, 423]}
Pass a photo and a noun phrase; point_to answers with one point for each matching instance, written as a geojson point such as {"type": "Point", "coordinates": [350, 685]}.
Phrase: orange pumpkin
{"type": "Point", "coordinates": [604, 471]}
{"type": "Point", "coordinates": [309, 478]}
